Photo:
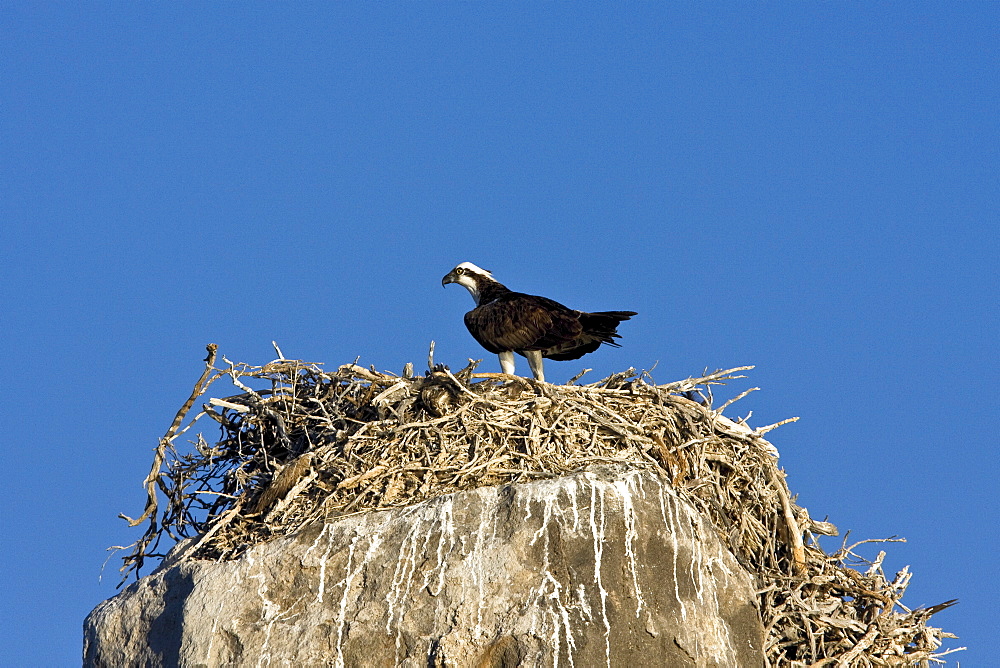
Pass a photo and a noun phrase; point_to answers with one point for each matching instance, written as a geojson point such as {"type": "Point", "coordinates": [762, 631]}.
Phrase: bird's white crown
{"type": "Point", "coordinates": [468, 266]}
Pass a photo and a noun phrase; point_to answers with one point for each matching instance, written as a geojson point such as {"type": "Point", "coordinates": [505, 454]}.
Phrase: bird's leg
{"type": "Point", "coordinates": [507, 362]}
{"type": "Point", "coordinates": [535, 362]}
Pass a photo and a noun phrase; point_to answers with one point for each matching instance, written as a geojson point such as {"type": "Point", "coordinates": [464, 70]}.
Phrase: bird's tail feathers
{"type": "Point", "coordinates": [604, 324]}
{"type": "Point", "coordinates": [617, 315]}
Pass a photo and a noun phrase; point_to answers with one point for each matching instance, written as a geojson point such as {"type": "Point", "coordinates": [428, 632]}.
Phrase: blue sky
{"type": "Point", "coordinates": [808, 187]}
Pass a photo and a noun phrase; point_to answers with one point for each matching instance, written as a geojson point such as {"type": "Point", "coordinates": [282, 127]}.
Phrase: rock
{"type": "Point", "coordinates": [604, 567]}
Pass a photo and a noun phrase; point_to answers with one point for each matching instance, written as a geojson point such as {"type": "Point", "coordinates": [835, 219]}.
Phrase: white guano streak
{"type": "Point", "coordinates": [375, 540]}
{"type": "Point", "coordinates": [625, 490]}
{"type": "Point", "coordinates": [550, 588]}
{"type": "Point", "coordinates": [597, 532]}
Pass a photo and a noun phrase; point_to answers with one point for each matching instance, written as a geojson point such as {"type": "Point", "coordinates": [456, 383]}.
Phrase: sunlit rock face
{"type": "Point", "coordinates": [601, 568]}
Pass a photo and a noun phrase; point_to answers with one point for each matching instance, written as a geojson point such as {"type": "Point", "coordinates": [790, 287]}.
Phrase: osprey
{"type": "Point", "coordinates": [506, 322]}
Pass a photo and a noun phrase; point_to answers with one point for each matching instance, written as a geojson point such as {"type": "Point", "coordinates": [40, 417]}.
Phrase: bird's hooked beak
{"type": "Point", "coordinates": [450, 277]}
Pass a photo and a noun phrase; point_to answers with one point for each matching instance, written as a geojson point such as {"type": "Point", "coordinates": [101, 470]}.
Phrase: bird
{"type": "Point", "coordinates": [506, 322]}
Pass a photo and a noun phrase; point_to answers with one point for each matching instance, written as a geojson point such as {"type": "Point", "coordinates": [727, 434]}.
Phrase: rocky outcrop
{"type": "Point", "coordinates": [604, 567]}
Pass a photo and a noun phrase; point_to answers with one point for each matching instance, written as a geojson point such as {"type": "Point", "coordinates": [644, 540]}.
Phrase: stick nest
{"type": "Point", "coordinates": [309, 445]}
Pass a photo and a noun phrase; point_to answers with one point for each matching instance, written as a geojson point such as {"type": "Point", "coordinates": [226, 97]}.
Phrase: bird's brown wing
{"type": "Point", "coordinates": [522, 322]}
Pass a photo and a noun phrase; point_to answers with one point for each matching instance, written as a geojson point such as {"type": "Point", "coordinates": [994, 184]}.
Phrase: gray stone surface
{"type": "Point", "coordinates": [601, 568]}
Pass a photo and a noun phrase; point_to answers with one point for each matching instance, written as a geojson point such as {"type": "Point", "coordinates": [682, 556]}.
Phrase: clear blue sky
{"type": "Point", "coordinates": [808, 187]}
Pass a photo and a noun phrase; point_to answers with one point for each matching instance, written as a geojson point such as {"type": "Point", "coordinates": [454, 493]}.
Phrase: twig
{"type": "Point", "coordinates": [160, 451]}
{"type": "Point", "coordinates": [736, 398]}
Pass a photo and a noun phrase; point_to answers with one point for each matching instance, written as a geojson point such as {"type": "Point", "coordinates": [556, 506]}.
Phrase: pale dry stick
{"type": "Point", "coordinates": [497, 376]}
{"type": "Point", "coordinates": [714, 378]}
{"type": "Point", "coordinates": [794, 533]}
{"type": "Point", "coordinates": [844, 552]}
{"type": "Point", "coordinates": [876, 565]}
{"type": "Point", "coordinates": [735, 399]}
{"type": "Point", "coordinates": [620, 377]}
{"type": "Point", "coordinates": [461, 385]}
{"type": "Point", "coordinates": [355, 481]}
{"type": "Point", "coordinates": [384, 396]}
{"type": "Point", "coordinates": [763, 430]}
{"type": "Point", "coordinates": [366, 374]}
{"type": "Point", "coordinates": [239, 408]}
{"type": "Point", "coordinates": [866, 640]}
{"type": "Point", "coordinates": [221, 522]}
{"type": "Point", "coordinates": [810, 635]}
{"type": "Point", "coordinates": [592, 389]}
{"type": "Point", "coordinates": [936, 658]}
{"type": "Point", "coordinates": [210, 493]}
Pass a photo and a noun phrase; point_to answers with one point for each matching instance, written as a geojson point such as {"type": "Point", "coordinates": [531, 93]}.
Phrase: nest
{"type": "Point", "coordinates": [309, 445]}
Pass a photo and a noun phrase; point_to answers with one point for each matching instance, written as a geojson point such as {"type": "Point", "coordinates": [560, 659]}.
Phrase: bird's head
{"type": "Point", "coordinates": [470, 276]}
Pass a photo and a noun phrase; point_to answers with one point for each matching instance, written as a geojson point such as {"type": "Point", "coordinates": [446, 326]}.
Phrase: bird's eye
{"type": "Point", "coordinates": [460, 271]}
